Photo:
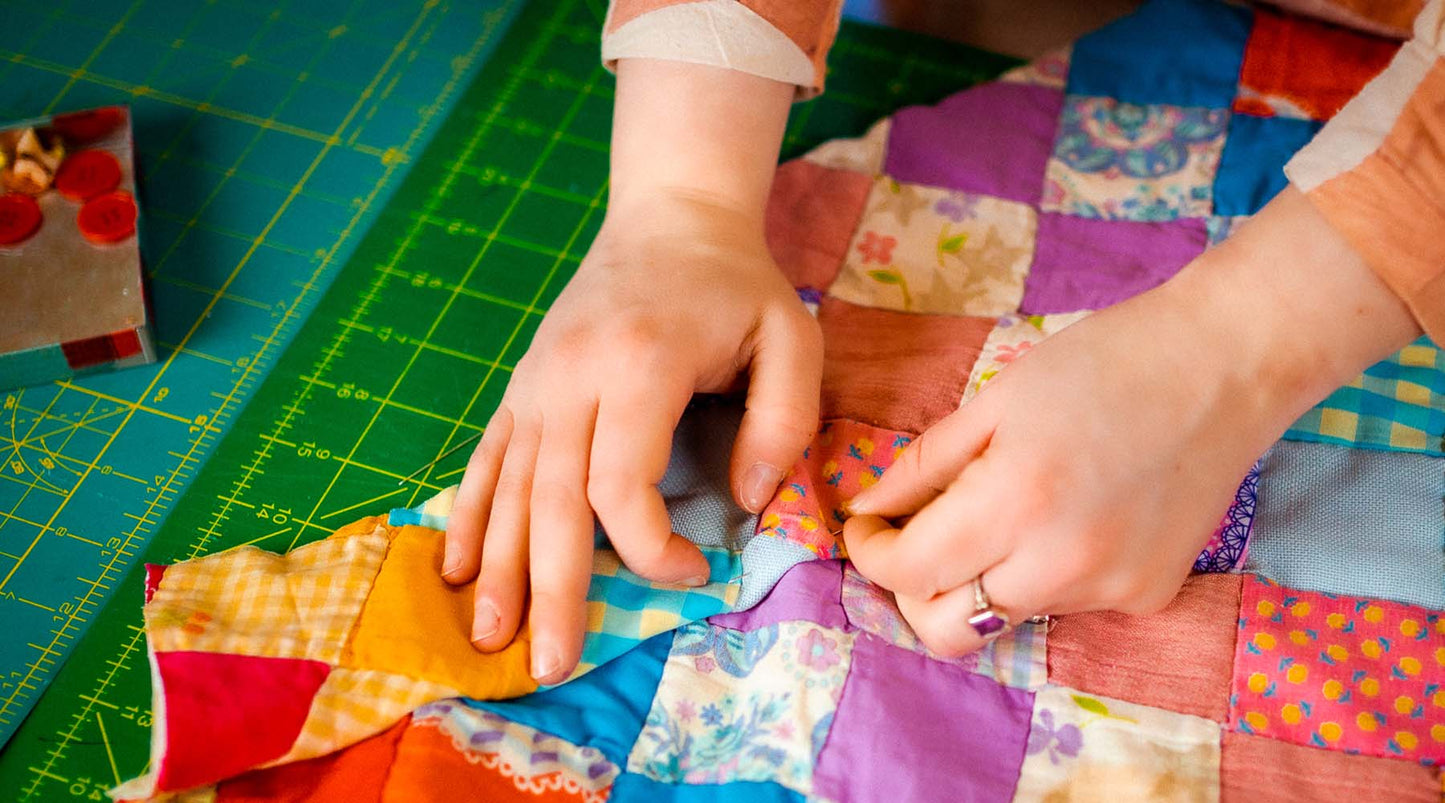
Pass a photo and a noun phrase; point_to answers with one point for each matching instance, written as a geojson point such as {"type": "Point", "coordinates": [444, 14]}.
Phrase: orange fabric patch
{"type": "Point", "coordinates": [428, 767]}
{"type": "Point", "coordinates": [1254, 768]}
{"type": "Point", "coordinates": [811, 215]}
{"type": "Point", "coordinates": [1296, 67]}
{"type": "Point", "coordinates": [417, 625]}
{"type": "Point", "coordinates": [354, 775]}
{"type": "Point", "coordinates": [1406, 173]}
{"type": "Point", "coordinates": [896, 370]}
{"type": "Point", "coordinates": [1180, 659]}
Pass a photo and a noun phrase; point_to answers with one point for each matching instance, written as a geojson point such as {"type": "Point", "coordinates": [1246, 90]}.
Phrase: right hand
{"type": "Point", "coordinates": [676, 297]}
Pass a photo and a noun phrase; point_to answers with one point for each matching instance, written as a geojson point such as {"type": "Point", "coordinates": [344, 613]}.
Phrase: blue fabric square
{"type": "Point", "coordinates": [1361, 522]}
{"type": "Point", "coordinates": [629, 787]}
{"type": "Point", "coordinates": [1171, 52]}
{"type": "Point", "coordinates": [604, 708]}
{"type": "Point", "coordinates": [1251, 171]}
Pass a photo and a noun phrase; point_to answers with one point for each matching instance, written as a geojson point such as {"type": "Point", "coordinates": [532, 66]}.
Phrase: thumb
{"type": "Point", "coordinates": [930, 463]}
{"type": "Point", "coordinates": [782, 406]}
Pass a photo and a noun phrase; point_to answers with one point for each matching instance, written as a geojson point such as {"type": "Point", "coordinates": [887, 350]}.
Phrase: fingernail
{"type": "Point", "coordinates": [450, 564]}
{"type": "Point", "coordinates": [698, 580]}
{"type": "Point", "coordinates": [758, 486]}
{"type": "Point", "coordinates": [544, 661]}
{"type": "Point", "coordinates": [858, 505]}
{"type": "Point", "coordinates": [484, 620]}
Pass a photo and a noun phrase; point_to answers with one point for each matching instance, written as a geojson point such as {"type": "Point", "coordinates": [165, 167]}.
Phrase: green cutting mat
{"type": "Point", "coordinates": [412, 346]}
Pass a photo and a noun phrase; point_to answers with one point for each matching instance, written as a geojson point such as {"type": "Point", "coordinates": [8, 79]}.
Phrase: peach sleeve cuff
{"type": "Point", "coordinates": [785, 40]}
{"type": "Point", "coordinates": [1377, 172]}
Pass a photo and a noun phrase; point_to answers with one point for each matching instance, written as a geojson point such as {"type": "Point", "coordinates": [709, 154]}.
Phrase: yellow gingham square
{"type": "Point", "coordinates": [248, 601]}
{"type": "Point", "coordinates": [354, 704]}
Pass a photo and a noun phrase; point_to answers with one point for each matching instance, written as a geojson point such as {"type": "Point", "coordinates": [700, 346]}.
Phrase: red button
{"type": "Point", "coordinates": [19, 218]}
{"type": "Point", "coordinates": [86, 174]}
{"type": "Point", "coordinates": [108, 219]}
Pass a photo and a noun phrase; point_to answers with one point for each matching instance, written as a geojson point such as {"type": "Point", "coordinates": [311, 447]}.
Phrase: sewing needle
{"type": "Point", "coordinates": [444, 455]}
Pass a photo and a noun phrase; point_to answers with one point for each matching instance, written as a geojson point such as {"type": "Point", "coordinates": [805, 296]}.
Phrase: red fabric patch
{"type": "Point", "coordinates": [811, 215]}
{"type": "Point", "coordinates": [356, 774]}
{"type": "Point", "coordinates": [154, 573]}
{"type": "Point", "coordinates": [101, 350]}
{"type": "Point", "coordinates": [1255, 768]}
{"type": "Point", "coordinates": [1180, 659]}
{"type": "Point", "coordinates": [1297, 67]}
{"type": "Point", "coordinates": [224, 714]}
{"type": "Point", "coordinates": [896, 370]}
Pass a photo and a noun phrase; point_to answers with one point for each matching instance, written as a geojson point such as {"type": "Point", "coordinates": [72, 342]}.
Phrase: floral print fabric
{"type": "Point", "coordinates": [736, 706]}
{"type": "Point", "coordinates": [1125, 161]}
{"type": "Point", "coordinates": [1080, 745]}
{"type": "Point", "coordinates": [929, 249]}
{"type": "Point", "coordinates": [844, 458]}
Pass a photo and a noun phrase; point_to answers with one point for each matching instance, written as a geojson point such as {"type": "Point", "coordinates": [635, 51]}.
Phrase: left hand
{"type": "Point", "coordinates": [1089, 474]}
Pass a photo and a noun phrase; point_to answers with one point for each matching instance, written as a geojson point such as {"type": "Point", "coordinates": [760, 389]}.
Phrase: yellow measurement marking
{"type": "Point", "coordinates": [259, 539]}
{"type": "Point", "coordinates": [126, 476]}
{"type": "Point", "coordinates": [109, 753]}
{"type": "Point", "coordinates": [131, 405]}
{"type": "Point", "coordinates": [465, 156]}
{"type": "Point", "coordinates": [363, 503]}
{"type": "Point", "coordinates": [36, 604]}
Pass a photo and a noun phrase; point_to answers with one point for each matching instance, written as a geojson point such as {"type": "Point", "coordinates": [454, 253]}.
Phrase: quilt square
{"type": "Point", "coordinates": [1251, 171]}
{"type": "Point", "coordinates": [992, 139]}
{"type": "Point", "coordinates": [1180, 659]}
{"type": "Point", "coordinates": [811, 214]}
{"type": "Point", "coordinates": [1297, 67]}
{"type": "Point", "coordinates": [1254, 768]}
{"type": "Point", "coordinates": [1346, 673]}
{"type": "Point", "coordinates": [754, 706]}
{"type": "Point", "coordinates": [1398, 403]}
{"type": "Point", "coordinates": [811, 591]}
{"type": "Point", "coordinates": [1079, 745]}
{"type": "Point", "coordinates": [1086, 264]}
{"type": "Point", "coordinates": [844, 458]}
{"type": "Point", "coordinates": [892, 369]}
{"type": "Point", "coordinates": [863, 154]}
{"type": "Point", "coordinates": [1227, 547]}
{"type": "Point", "coordinates": [251, 602]}
{"type": "Point", "coordinates": [1179, 52]}
{"type": "Point", "coordinates": [927, 249]}
{"type": "Point", "coordinates": [1018, 658]}
{"type": "Point", "coordinates": [911, 728]}
{"type": "Point", "coordinates": [1012, 337]}
{"type": "Point", "coordinates": [1049, 70]}
{"type": "Point", "coordinates": [1124, 161]}
{"type": "Point", "coordinates": [1351, 521]}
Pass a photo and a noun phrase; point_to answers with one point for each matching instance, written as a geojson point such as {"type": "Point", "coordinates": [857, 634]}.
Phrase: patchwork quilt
{"type": "Point", "coordinates": [1305, 658]}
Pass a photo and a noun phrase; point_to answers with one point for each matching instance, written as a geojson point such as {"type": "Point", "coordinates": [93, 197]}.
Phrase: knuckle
{"type": "Point", "coordinates": [512, 486]}
{"type": "Point", "coordinates": [607, 490]}
{"type": "Point", "coordinates": [553, 495]}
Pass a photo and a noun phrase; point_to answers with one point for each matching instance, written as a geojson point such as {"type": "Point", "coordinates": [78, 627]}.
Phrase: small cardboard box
{"type": "Point", "coordinates": [71, 294]}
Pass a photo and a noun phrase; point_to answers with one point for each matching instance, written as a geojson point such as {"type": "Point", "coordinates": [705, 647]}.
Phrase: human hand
{"type": "Point", "coordinates": [1089, 474]}
{"type": "Point", "coordinates": [680, 300]}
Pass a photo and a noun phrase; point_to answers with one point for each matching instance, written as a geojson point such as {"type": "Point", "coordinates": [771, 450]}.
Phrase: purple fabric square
{"type": "Point", "coordinates": [993, 139]}
{"type": "Point", "coordinates": [810, 591]}
{"type": "Point", "coordinates": [1083, 263]}
{"type": "Point", "coordinates": [911, 728]}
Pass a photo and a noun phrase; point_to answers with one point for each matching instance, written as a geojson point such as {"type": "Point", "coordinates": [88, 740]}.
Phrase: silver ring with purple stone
{"type": "Point", "coordinates": [988, 623]}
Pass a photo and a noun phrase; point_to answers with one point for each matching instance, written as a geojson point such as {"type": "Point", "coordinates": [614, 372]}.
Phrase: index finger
{"type": "Point", "coordinates": [630, 451]}
{"type": "Point", "coordinates": [949, 542]}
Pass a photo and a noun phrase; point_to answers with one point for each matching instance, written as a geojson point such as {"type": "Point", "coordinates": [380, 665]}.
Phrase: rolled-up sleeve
{"type": "Point", "coordinates": [785, 40]}
{"type": "Point", "coordinates": [1377, 172]}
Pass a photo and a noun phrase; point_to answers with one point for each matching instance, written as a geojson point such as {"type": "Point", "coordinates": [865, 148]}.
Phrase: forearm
{"type": "Point", "coordinates": [1294, 309]}
{"type": "Point", "coordinates": [697, 133]}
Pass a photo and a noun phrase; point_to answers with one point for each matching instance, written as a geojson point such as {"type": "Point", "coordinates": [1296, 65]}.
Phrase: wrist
{"type": "Point", "coordinates": [695, 131]}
